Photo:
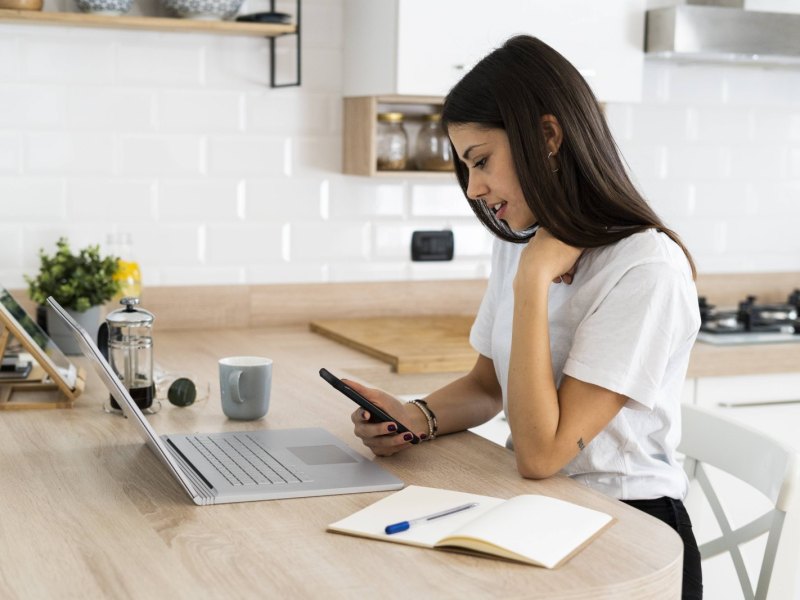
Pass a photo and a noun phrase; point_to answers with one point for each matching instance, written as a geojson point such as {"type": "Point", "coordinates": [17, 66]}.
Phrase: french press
{"type": "Point", "coordinates": [130, 351]}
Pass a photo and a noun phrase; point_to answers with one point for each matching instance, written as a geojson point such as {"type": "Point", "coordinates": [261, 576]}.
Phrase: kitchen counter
{"type": "Point", "coordinates": [199, 308]}
{"type": "Point", "coordinates": [708, 360]}
{"type": "Point", "coordinates": [417, 345]}
{"type": "Point", "coordinates": [299, 304]}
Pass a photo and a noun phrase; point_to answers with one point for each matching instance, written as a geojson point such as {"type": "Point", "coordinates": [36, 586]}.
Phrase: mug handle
{"type": "Point", "coordinates": [233, 382]}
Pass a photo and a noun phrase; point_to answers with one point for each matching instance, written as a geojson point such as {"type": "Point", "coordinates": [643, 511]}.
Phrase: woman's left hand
{"type": "Point", "coordinates": [547, 258]}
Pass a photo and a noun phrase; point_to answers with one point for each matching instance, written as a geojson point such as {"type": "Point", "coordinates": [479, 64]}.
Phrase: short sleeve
{"type": "Point", "coordinates": [626, 344]}
{"type": "Point", "coordinates": [480, 336]}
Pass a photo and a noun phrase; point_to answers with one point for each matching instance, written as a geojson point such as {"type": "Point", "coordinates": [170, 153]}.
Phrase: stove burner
{"type": "Point", "coordinates": [752, 317]}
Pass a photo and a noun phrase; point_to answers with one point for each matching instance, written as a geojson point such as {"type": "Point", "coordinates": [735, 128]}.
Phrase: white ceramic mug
{"type": "Point", "coordinates": [244, 384]}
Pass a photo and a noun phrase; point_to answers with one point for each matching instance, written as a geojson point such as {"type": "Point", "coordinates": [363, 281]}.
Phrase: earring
{"type": "Point", "coordinates": [549, 154]}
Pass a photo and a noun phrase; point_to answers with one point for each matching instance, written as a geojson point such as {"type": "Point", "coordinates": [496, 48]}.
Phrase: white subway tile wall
{"type": "Point", "coordinates": [93, 108]}
{"type": "Point", "coordinates": [240, 244]}
{"type": "Point", "coordinates": [76, 153]}
{"type": "Point", "coordinates": [391, 240]}
{"type": "Point", "coordinates": [10, 152]}
{"type": "Point", "coordinates": [197, 201]}
{"type": "Point", "coordinates": [10, 248]}
{"type": "Point", "coordinates": [722, 162]}
{"type": "Point", "coordinates": [31, 107]}
{"type": "Point", "coordinates": [90, 200]}
{"type": "Point", "coordinates": [177, 139]}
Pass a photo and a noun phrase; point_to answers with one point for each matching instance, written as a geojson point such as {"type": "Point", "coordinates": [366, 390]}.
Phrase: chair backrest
{"type": "Point", "coordinates": [764, 463]}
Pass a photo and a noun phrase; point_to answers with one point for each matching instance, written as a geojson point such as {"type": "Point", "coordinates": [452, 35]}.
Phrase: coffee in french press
{"type": "Point", "coordinates": [126, 341]}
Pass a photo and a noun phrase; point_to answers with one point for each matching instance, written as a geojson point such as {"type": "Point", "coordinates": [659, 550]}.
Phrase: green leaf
{"type": "Point", "coordinates": [77, 281]}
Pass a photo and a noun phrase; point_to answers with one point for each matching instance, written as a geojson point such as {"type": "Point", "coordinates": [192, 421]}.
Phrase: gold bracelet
{"type": "Point", "coordinates": [434, 424]}
{"type": "Point", "coordinates": [424, 414]}
{"type": "Point", "coordinates": [430, 417]}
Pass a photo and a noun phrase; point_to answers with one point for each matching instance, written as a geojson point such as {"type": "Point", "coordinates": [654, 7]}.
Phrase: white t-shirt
{"type": "Point", "coordinates": [627, 323]}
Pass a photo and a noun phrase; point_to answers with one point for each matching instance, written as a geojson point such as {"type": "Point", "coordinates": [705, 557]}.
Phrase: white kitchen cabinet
{"type": "Point", "coordinates": [716, 392]}
{"type": "Point", "coordinates": [418, 47]}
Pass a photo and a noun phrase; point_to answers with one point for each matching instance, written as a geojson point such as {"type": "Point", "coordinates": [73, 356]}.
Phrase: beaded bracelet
{"type": "Point", "coordinates": [430, 417]}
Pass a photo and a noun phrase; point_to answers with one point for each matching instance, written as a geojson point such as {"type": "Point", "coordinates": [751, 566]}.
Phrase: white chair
{"type": "Point", "coordinates": [767, 465]}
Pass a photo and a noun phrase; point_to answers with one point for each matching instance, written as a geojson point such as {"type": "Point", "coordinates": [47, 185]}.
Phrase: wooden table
{"type": "Point", "coordinates": [87, 511]}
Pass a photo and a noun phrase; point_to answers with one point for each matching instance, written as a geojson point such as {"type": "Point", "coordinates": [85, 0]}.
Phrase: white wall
{"type": "Point", "coordinates": [177, 139]}
{"type": "Point", "coordinates": [716, 149]}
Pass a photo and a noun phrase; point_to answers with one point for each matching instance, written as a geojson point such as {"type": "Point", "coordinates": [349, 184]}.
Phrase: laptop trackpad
{"type": "Point", "coordinates": [326, 454]}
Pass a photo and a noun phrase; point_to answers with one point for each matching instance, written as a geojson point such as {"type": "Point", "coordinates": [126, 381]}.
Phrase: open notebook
{"type": "Point", "coordinates": [533, 529]}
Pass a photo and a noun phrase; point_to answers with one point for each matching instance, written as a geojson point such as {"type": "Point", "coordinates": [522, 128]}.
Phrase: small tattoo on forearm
{"type": "Point", "coordinates": [581, 445]}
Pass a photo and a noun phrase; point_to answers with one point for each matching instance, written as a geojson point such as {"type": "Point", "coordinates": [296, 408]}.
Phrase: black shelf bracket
{"type": "Point", "coordinates": [272, 61]}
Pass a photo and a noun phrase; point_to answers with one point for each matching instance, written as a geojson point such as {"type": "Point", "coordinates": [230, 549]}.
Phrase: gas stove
{"type": "Point", "coordinates": [751, 322]}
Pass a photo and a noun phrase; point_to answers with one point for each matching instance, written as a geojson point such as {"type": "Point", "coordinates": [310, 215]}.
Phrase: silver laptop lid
{"type": "Point", "coordinates": [122, 396]}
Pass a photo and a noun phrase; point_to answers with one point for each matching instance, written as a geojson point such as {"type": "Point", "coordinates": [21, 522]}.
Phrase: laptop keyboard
{"type": "Point", "coordinates": [241, 460]}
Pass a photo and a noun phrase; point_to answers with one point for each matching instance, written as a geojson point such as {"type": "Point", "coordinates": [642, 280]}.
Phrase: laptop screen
{"type": "Point", "coordinates": [121, 394]}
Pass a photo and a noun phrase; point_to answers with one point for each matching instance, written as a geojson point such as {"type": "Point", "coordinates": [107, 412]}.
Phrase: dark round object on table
{"type": "Point", "coordinates": [182, 392]}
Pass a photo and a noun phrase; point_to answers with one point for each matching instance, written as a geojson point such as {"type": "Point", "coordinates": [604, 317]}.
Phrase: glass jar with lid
{"type": "Point", "coordinates": [433, 151]}
{"type": "Point", "coordinates": [392, 146]}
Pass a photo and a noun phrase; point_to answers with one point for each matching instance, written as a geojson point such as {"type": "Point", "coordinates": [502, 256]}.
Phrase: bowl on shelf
{"type": "Point", "coordinates": [22, 4]}
{"type": "Point", "coordinates": [203, 10]}
{"type": "Point", "coordinates": [104, 7]}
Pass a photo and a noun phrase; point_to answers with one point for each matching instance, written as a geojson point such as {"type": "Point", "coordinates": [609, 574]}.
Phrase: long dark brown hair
{"type": "Point", "coordinates": [589, 201]}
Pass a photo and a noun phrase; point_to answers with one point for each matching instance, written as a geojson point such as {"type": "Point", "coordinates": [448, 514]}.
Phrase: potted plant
{"type": "Point", "coordinates": [80, 283]}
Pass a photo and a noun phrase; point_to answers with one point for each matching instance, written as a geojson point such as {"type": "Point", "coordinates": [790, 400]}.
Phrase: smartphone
{"type": "Point", "coordinates": [377, 415]}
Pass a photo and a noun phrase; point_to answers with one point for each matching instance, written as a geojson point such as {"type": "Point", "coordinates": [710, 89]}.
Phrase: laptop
{"type": "Point", "coordinates": [244, 466]}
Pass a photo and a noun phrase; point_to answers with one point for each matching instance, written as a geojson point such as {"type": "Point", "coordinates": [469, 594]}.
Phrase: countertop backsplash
{"type": "Point", "coordinates": [178, 139]}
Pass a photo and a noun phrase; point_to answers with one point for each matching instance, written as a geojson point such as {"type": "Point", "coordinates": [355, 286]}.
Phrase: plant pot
{"type": "Point", "coordinates": [62, 335]}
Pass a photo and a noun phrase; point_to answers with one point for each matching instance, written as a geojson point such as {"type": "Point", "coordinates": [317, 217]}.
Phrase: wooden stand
{"type": "Point", "coordinates": [44, 386]}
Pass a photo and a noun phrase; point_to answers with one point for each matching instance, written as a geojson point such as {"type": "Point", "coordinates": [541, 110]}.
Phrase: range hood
{"type": "Point", "coordinates": [718, 32]}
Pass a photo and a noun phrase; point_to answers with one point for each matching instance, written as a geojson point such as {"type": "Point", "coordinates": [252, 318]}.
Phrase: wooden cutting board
{"type": "Point", "coordinates": [432, 344]}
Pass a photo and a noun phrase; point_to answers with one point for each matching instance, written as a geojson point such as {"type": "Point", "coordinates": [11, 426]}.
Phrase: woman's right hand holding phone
{"type": "Point", "coordinates": [383, 438]}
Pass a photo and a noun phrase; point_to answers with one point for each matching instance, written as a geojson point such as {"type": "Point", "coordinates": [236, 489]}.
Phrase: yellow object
{"type": "Point", "coordinates": [130, 276]}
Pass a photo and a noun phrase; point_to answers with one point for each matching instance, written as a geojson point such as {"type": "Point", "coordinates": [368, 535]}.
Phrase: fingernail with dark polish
{"type": "Point", "coordinates": [423, 436]}
{"type": "Point", "coordinates": [392, 427]}
{"type": "Point", "coordinates": [408, 437]}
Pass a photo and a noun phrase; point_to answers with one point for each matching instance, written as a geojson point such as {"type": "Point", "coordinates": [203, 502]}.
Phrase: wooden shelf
{"type": "Point", "coordinates": [145, 23]}
{"type": "Point", "coordinates": [417, 173]}
{"type": "Point", "coordinates": [360, 132]}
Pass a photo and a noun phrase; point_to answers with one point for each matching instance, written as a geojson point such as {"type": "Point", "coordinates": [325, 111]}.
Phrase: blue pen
{"type": "Point", "coordinates": [404, 525]}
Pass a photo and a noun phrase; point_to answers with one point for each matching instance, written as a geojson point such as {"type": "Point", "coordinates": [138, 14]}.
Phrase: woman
{"type": "Point", "coordinates": [591, 311]}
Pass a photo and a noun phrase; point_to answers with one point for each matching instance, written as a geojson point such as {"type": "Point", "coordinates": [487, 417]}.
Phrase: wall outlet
{"type": "Point", "coordinates": [432, 245]}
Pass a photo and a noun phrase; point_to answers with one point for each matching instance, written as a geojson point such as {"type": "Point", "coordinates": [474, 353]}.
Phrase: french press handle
{"type": "Point", "coordinates": [102, 339]}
